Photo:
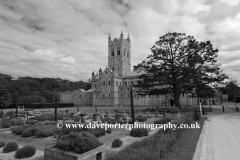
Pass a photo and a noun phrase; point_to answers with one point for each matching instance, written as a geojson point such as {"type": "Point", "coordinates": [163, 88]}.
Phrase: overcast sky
{"type": "Point", "coordinates": [68, 38]}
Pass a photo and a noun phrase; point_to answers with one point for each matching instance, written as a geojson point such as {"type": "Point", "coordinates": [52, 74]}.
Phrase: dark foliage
{"type": "Point", "coordinates": [116, 143]}
{"type": "Point", "coordinates": [6, 125]}
{"type": "Point", "coordinates": [78, 142]}
{"type": "Point", "coordinates": [10, 147]}
{"type": "Point", "coordinates": [18, 130]}
{"type": "Point", "coordinates": [178, 64]}
{"type": "Point", "coordinates": [2, 144]}
{"type": "Point", "coordinates": [35, 90]}
{"type": "Point", "coordinates": [139, 132]}
{"type": "Point", "coordinates": [25, 152]}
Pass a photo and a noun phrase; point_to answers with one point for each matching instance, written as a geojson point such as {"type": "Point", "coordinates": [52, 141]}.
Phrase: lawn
{"type": "Point", "coordinates": [185, 147]}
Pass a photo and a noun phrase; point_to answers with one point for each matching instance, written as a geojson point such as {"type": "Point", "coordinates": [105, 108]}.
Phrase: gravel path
{"type": "Point", "coordinates": [220, 136]}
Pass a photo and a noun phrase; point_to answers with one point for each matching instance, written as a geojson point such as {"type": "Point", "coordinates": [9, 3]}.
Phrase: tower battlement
{"type": "Point", "coordinates": [119, 54]}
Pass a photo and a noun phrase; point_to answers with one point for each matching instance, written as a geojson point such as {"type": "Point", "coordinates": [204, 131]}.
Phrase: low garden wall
{"type": "Point", "coordinates": [53, 153]}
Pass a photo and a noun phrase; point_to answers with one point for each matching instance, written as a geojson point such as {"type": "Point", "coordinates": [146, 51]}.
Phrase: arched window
{"type": "Point", "coordinates": [128, 54]}
{"type": "Point", "coordinates": [118, 52]}
{"type": "Point", "coordinates": [124, 52]}
{"type": "Point", "coordinates": [112, 52]}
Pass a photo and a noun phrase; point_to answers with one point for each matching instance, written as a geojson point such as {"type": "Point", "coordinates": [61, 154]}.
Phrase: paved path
{"type": "Point", "coordinates": [220, 137]}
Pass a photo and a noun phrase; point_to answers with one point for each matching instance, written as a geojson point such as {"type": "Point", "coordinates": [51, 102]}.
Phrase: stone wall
{"type": "Point", "coordinates": [52, 153]}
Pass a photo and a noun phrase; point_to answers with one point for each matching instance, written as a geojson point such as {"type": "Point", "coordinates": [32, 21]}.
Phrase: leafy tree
{"type": "Point", "coordinates": [204, 91]}
{"type": "Point", "coordinates": [37, 90]}
{"type": "Point", "coordinates": [178, 63]}
{"type": "Point", "coordinates": [232, 90]}
{"type": "Point", "coordinates": [5, 98]}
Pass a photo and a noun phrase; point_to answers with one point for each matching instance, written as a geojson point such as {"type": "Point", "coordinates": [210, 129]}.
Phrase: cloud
{"type": "Point", "coordinates": [68, 39]}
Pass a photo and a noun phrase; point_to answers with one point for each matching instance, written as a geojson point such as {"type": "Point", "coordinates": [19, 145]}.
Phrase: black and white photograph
{"type": "Point", "coordinates": [119, 79]}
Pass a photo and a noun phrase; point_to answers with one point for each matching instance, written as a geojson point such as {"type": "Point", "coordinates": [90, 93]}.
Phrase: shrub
{"type": "Point", "coordinates": [116, 143]}
{"type": "Point", "coordinates": [96, 114]}
{"type": "Point", "coordinates": [18, 122]}
{"type": "Point", "coordinates": [11, 122]}
{"type": "Point", "coordinates": [10, 147]}
{"type": "Point", "coordinates": [2, 144]}
{"type": "Point", "coordinates": [139, 132]}
{"type": "Point", "coordinates": [109, 130]}
{"type": "Point", "coordinates": [6, 125]}
{"type": "Point", "coordinates": [43, 133]}
{"type": "Point", "coordinates": [141, 119]}
{"type": "Point", "coordinates": [25, 152]}
{"type": "Point", "coordinates": [31, 131]}
{"type": "Point", "coordinates": [18, 130]}
{"type": "Point", "coordinates": [30, 122]}
{"type": "Point", "coordinates": [174, 110]}
{"type": "Point", "coordinates": [55, 135]}
{"type": "Point", "coordinates": [78, 142]}
{"type": "Point", "coordinates": [118, 115]}
{"type": "Point", "coordinates": [167, 119]}
{"type": "Point", "coordinates": [50, 123]}
{"type": "Point", "coordinates": [161, 121]}
{"type": "Point", "coordinates": [77, 119]}
{"type": "Point", "coordinates": [27, 133]}
{"type": "Point", "coordinates": [97, 132]}
{"type": "Point", "coordinates": [130, 121]}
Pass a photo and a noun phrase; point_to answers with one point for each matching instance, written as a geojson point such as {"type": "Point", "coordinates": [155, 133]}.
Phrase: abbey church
{"type": "Point", "coordinates": [110, 87]}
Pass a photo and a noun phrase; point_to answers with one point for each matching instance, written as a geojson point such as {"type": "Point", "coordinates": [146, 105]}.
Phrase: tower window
{"type": "Point", "coordinates": [112, 52]}
{"type": "Point", "coordinates": [109, 83]}
{"type": "Point", "coordinates": [109, 95]}
{"type": "Point", "coordinates": [118, 52]}
{"type": "Point", "coordinates": [125, 83]}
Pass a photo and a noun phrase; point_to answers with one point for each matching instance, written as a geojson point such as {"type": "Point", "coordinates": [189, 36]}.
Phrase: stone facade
{"type": "Point", "coordinates": [111, 86]}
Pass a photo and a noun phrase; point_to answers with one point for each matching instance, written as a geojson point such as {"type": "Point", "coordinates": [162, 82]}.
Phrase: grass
{"type": "Point", "coordinates": [185, 147]}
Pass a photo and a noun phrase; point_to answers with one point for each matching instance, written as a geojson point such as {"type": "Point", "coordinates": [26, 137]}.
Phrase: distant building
{"type": "Point", "coordinates": [111, 86]}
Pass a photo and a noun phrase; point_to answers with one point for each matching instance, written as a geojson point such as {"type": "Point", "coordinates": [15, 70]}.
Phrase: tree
{"type": "Point", "coordinates": [232, 90]}
{"type": "Point", "coordinates": [178, 63]}
{"type": "Point", "coordinates": [204, 91]}
{"type": "Point", "coordinates": [4, 98]}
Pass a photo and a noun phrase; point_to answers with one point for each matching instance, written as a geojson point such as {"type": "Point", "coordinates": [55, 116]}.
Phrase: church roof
{"type": "Point", "coordinates": [133, 74]}
{"type": "Point", "coordinates": [97, 76]}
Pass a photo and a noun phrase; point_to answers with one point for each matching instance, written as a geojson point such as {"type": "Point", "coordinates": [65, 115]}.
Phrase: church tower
{"type": "Point", "coordinates": [119, 54]}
